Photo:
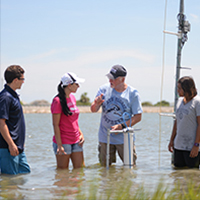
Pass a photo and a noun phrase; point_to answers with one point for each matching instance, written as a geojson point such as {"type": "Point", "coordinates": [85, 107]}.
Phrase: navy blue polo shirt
{"type": "Point", "coordinates": [11, 111]}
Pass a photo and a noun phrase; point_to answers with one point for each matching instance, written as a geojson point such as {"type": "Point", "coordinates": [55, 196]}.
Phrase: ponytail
{"type": "Point", "coordinates": [63, 102]}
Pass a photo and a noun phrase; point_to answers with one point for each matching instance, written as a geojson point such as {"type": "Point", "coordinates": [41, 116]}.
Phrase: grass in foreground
{"type": "Point", "coordinates": [124, 190]}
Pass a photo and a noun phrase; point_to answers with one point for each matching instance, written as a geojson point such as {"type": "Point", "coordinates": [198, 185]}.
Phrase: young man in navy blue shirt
{"type": "Point", "coordinates": [12, 125]}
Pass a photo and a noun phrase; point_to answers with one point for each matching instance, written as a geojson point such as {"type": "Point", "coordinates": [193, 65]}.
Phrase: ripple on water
{"type": "Point", "coordinates": [46, 182]}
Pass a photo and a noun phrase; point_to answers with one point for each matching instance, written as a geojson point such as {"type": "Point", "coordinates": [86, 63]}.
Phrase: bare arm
{"type": "Point", "coordinates": [134, 120]}
{"type": "Point", "coordinates": [6, 135]}
{"type": "Point", "coordinates": [56, 121]}
{"type": "Point", "coordinates": [173, 135]}
{"type": "Point", "coordinates": [81, 139]}
{"type": "Point", "coordinates": [195, 150]}
{"type": "Point", "coordinates": [96, 104]}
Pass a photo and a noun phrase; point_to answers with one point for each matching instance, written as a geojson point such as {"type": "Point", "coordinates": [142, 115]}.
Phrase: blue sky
{"type": "Point", "coordinates": [49, 38]}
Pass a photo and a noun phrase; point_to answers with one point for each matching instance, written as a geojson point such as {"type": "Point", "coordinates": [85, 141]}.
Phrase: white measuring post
{"type": "Point", "coordinates": [128, 149]}
{"type": "Point", "coordinates": [128, 146]}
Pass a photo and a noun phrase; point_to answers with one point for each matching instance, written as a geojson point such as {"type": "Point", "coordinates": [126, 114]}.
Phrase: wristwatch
{"type": "Point", "coordinates": [196, 144]}
{"type": "Point", "coordinates": [123, 126]}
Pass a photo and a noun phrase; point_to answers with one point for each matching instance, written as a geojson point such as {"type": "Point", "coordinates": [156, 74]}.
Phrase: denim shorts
{"type": "Point", "coordinates": [69, 148]}
{"type": "Point", "coordinates": [13, 164]}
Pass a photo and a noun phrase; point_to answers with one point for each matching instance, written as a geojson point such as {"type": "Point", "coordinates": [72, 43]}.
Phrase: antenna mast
{"type": "Point", "coordinates": [183, 29]}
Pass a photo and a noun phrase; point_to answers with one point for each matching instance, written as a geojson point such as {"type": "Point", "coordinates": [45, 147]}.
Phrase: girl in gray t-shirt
{"type": "Point", "coordinates": [185, 136]}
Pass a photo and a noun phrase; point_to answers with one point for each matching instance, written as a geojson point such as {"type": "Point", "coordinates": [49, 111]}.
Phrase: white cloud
{"type": "Point", "coordinates": [43, 75]}
{"type": "Point", "coordinates": [195, 18]}
{"type": "Point", "coordinates": [93, 57]}
{"type": "Point", "coordinates": [102, 56]}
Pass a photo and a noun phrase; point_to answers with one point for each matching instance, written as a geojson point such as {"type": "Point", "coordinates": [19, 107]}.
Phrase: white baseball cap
{"type": "Point", "coordinates": [70, 78]}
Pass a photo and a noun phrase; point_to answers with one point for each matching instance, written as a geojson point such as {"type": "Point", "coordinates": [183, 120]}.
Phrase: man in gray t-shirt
{"type": "Point", "coordinates": [116, 99]}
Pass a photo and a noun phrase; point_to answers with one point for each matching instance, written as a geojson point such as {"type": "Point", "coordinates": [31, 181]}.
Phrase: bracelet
{"type": "Point", "coordinates": [123, 126]}
{"type": "Point", "coordinates": [196, 144]}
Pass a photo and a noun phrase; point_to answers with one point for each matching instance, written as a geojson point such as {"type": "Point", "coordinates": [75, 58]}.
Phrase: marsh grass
{"type": "Point", "coordinates": [5, 195]}
{"type": "Point", "coordinates": [8, 190]}
{"type": "Point", "coordinates": [122, 190]}
{"type": "Point", "coordinates": [125, 191]}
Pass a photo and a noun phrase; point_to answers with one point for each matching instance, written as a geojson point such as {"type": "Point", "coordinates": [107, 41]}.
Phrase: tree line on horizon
{"type": "Point", "coordinates": [85, 101]}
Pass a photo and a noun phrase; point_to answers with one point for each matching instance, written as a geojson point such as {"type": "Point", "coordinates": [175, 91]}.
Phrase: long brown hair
{"type": "Point", "coordinates": [188, 86]}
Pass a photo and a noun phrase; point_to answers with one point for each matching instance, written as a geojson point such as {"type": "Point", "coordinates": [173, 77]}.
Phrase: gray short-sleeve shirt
{"type": "Point", "coordinates": [186, 116]}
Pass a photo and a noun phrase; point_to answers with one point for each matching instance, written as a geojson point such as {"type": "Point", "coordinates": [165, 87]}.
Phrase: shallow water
{"type": "Point", "coordinates": [46, 182]}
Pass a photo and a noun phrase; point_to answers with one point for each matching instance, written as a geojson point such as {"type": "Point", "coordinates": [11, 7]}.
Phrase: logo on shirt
{"type": "Point", "coordinates": [113, 110]}
{"type": "Point", "coordinates": [181, 112]}
{"type": "Point", "coordinates": [72, 106]}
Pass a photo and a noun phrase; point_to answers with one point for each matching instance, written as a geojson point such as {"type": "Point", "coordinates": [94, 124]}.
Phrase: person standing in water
{"type": "Point", "coordinates": [12, 124]}
{"type": "Point", "coordinates": [185, 138]}
{"type": "Point", "coordinates": [68, 139]}
{"type": "Point", "coordinates": [116, 98]}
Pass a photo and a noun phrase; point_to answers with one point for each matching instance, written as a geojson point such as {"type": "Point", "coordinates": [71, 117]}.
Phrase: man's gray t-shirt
{"type": "Point", "coordinates": [113, 107]}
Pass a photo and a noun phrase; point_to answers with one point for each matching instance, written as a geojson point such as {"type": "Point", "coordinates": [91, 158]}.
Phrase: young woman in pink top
{"type": "Point", "coordinates": [68, 138]}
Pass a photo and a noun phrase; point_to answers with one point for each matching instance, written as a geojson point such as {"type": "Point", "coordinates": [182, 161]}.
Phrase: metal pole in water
{"type": "Point", "coordinates": [183, 29]}
{"type": "Point", "coordinates": [128, 146]}
{"type": "Point", "coordinates": [128, 150]}
{"type": "Point", "coordinates": [108, 149]}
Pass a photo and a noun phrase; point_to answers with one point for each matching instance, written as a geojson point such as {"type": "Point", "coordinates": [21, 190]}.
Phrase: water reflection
{"type": "Point", "coordinates": [10, 184]}
{"type": "Point", "coordinates": [72, 179]}
{"type": "Point", "coordinates": [185, 177]}
{"type": "Point", "coordinates": [46, 182]}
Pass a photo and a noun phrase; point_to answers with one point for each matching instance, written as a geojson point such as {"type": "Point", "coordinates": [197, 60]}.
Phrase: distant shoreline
{"type": "Point", "coordinates": [86, 109]}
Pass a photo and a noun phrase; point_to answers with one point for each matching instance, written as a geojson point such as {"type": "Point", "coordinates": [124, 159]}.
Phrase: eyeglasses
{"type": "Point", "coordinates": [22, 79]}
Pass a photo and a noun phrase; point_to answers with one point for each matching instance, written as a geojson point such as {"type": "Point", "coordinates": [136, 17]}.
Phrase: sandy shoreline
{"type": "Point", "coordinates": [86, 109]}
